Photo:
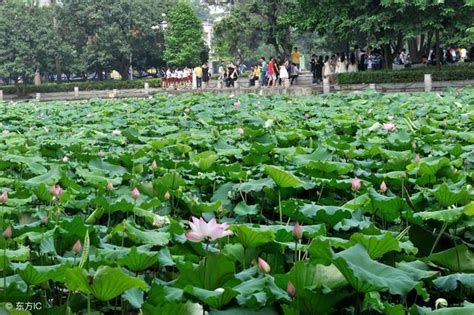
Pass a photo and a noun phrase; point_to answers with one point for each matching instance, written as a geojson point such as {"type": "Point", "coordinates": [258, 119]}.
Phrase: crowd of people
{"type": "Point", "coordinates": [283, 71]}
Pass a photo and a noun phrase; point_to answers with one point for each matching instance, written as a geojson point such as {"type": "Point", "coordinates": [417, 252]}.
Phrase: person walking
{"type": "Point", "coordinates": [284, 75]}
{"type": "Point", "coordinates": [263, 72]}
{"type": "Point", "coordinates": [205, 76]}
{"type": "Point", "coordinates": [198, 73]}
{"type": "Point", "coordinates": [271, 72]}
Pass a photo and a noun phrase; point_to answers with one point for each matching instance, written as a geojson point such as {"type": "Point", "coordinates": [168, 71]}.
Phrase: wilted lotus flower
{"type": "Point", "coordinates": [8, 232]}
{"type": "Point", "coordinates": [65, 159]}
{"type": "Point", "coordinates": [390, 126]}
{"type": "Point", "coordinates": [135, 193]}
{"type": "Point", "coordinates": [77, 247]}
{"type": "Point", "coordinates": [5, 132]}
{"type": "Point", "coordinates": [187, 110]}
{"type": "Point", "coordinates": [297, 231]}
{"type": "Point", "coordinates": [167, 196]}
{"type": "Point", "coordinates": [101, 153]}
{"type": "Point", "coordinates": [291, 289]}
{"type": "Point", "coordinates": [237, 104]}
{"type": "Point", "coordinates": [202, 230]}
{"type": "Point", "coordinates": [116, 132]}
{"type": "Point", "coordinates": [56, 191]}
{"type": "Point", "coordinates": [154, 166]}
{"type": "Point", "coordinates": [355, 184]}
{"type": "Point", "coordinates": [110, 186]}
{"type": "Point", "coordinates": [263, 266]}
{"type": "Point", "coordinates": [4, 197]}
{"type": "Point", "coordinates": [383, 187]}
{"type": "Point", "coordinates": [240, 131]}
{"type": "Point", "coordinates": [160, 221]}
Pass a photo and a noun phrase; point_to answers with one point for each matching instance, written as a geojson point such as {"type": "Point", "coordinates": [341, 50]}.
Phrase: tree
{"type": "Point", "coordinates": [184, 41]}
{"type": "Point", "coordinates": [26, 41]}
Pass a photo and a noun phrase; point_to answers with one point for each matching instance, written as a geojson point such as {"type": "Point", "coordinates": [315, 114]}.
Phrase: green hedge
{"type": "Point", "coordinates": [83, 86]}
{"type": "Point", "coordinates": [447, 73]}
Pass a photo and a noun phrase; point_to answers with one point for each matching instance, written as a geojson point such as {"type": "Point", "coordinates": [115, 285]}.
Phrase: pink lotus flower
{"type": "Point", "coordinates": [390, 126]}
{"type": "Point", "coordinates": [355, 184]}
{"type": "Point", "coordinates": [237, 104]}
{"type": "Point", "coordinates": [56, 191]}
{"type": "Point", "coordinates": [101, 153]}
{"type": "Point", "coordinates": [383, 187]}
{"type": "Point", "coordinates": [65, 159]}
{"type": "Point", "coordinates": [297, 231]}
{"type": "Point", "coordinates": [135, 193]}
{"type": "Point", "coordinates": [77, 247]}
{"type": "Point", "coordinates": [110, 186]}
{"type": "Point", "coordinates": [154, 166]}
{"type": "Point", "coordinates": [240, 131]}
{"type": "Point", "coordinates": [263, 266]}
{"type": "Point", "coordinates": [417, 158]}
{"type": "Point", "coordinates": [167, 196]}
{"type": "Point", "coordinates": [202, 230]}
{"type": "Point", "coordinates": [291, 289]}
{"type": "Point", "coordinates": [4, 197]}
{"type": "Point", "coordinates": [8, 232]}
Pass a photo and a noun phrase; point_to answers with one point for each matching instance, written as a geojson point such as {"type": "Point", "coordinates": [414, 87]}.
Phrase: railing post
{"type": "Point", "coordinates": [147, 88]}
{"type": "Point", "coordinates": [38, 96]}
{"type": "Point", "coordinates": [1, 95]}
{"type": "Point", "coordinates": [428, 83]}
{"type": "Point", "coordinates": [326, 87]}
{"type": "Point", "coordinates": [76, 91]}
{"type": "Point", "coordinates": [372, 86]}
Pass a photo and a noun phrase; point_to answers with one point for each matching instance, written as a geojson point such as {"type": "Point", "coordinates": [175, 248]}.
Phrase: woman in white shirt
{"type": "Point", "coordinates": [353, 67]}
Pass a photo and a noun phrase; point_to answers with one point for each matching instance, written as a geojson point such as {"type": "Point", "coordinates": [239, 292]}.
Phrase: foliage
{"type": "Point", "coordinates": [368, 251]}
{"type": "Point", "coordinates": [184, 36]}
{"type": "Point", "coordinates": [82, 85]}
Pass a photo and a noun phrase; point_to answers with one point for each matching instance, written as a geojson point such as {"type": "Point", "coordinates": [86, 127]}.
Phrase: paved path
{"type": "Point", "coordinates": [303, 87]}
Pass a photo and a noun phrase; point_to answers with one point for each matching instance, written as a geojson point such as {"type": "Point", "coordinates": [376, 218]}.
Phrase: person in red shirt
{"type": "Point", "coordinates": [271, 72]}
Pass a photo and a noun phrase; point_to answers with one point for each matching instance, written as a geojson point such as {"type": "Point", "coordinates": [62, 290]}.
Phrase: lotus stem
{"type": "Point", "coordinates": [445, 224]}
{"type": "Point", "coordinates": [279, 207]}
{"type": "Point", "coordinates": [296, 251]}
{"type": "Point", "coordinates": [5, 271]}
{"type": "Point", "coordinates": [88, 304]}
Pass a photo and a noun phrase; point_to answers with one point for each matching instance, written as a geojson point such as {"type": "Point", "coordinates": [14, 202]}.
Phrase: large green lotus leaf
{"type": "Point", "coordinates": [243, 209]}
{"type": "Point", "coordinates": [208, 275]}
{"type": "Point", "coordinates": [215, 299]}
{"type": "Point", "coordinates": [134, 296]}
{"type": "Point", "coordinates": [50, 178]}
{"type": "Point", "coordinates": [320, 154]}
{"type": "Point", "coordinates": [466, 310]}
{"type": "Point", "coordinates": [430, 165]}
{"type": "Point", "coordinates": [448, 216]}
{"type": "Point", "coordinates": [377, 245]}
{"type": "Point", "coordinates": [365, 274]}
{"type": "Point", "coordinates": [327, 214]}
{"type": "Point", "coordinates": [251, 237]}
{"type": "Point", "coordinates": [170, 181]}
{"type": "Point", "coordinates": [172, 308]}
{"type": "Point", "coordinates": [255, 185]}
{"type": "Point", "coordinates": [448, 259]}
{"type": "Point", "coordinates": [358, 202]}
{"type": "Point", "coordinates": [306, 275]}
{"type": "Point", "coordinates": [104, 167]}
{"type": "Point", "coordinates": [388, 207]}
{"type": "Point", "coordinates": [34, 275]}
{"type": "Point", "coordinates": [339, 168]}
{"type": "Point", "coordinates": [204, 160]}
{"type": "Point", "coordinates": [139, 260]}
{"type": "Point", "coordinates": [222, 194]}
{"type": "Point", "coordinates": [106, 283]}
{"type": "Point", "coordinates": [245, 311]}
{"type": "Point", "coordinates": [96, 179]}
{"type": "Point", "coordinates": [282, 178]}
{"type": "Point", "coordinates": [418, 269]}
{"type": "Point", "coordinates": [34, 163]}
{"type": "Point", "coordinates": [450, 282]}
{"type": "Point", "coordinates": [147, 237]}
{"type": "Point", "coordinates": [20, 254]}
{"type": "Point", "coordinates": [447, 196]}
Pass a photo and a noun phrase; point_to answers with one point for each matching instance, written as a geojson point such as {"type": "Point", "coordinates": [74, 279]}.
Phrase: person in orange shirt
{"type": "Point", "coordinates": [296, 57]}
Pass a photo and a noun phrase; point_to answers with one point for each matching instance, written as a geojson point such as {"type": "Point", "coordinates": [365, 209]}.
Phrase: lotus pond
{"type": "Point", "coordinates": [342, 204]}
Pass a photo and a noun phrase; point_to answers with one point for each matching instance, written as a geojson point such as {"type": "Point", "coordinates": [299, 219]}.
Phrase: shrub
{"type": "Point", "coordinates": [83, 86]}
{"type": "Point", "coordinates": [447, 73]}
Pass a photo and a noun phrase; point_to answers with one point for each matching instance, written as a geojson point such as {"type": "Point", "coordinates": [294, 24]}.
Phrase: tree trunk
{"type": "Point", "coordinates": [438, 50]}
{"type": "Point", "coordinates": [58, 70]}
{"type": "Point", "coordinates": [387, 56]}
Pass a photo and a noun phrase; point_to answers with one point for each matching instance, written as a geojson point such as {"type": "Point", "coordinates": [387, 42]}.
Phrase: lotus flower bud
{"type": "Point", "coordinates": [187, 110]}
{"type": "Point", "coordinates": [297, 231]}
{"type": "Point", "coordinates": [291, 290]}
{"type": "Point", "coordinates": [135, 193]}
{"type": "Point", "coordinates": [4, 197]}
{"type": "Point", "coordinates": [263, 266]}
{"type": "Point", "coordinates": [355, 184]}
{"type": "Point", "coordinates": [8, 232]}
{"type": "Point", "coordinates": [383, 187]}
{"type": "Point", "coordinates": [154, 166]}
{"type": "Point", "coordinates": [237, 104]}
{"type": "Point", "coordinates": [240, 131]}
{"type": "Point", "coordinates": [110, 186]}
{"type": "Point", "coordinates": [306, 116]}
{"type": "Point", "coordinates": [101, 153]}
{"type": "Point", "coordinates": [417, 158]}
{"type": "Point", "coordinates": [167, 196]}
{"type": "Point", "coordinates": [56, 191]}
{"type": "Point", "coordinates": [65, 159]}
{"type": "Point", "coordinates": [77, 247]}
{"type": "Point", "coordinates": [45, 219]}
